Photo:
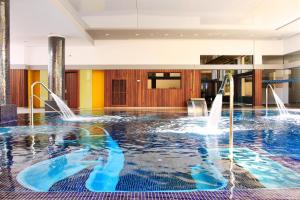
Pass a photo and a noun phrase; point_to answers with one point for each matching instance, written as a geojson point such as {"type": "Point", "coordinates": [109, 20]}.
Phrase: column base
{"type": "Point", "coordinates": [8, 113]}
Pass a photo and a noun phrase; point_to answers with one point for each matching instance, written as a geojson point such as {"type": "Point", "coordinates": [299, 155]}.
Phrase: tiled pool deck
{"type": "Point", "coordinates": [237, 194]}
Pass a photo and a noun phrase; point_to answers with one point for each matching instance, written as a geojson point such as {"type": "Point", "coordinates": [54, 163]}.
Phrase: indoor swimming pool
{"type": "Point", "coordinates": [150, 152]}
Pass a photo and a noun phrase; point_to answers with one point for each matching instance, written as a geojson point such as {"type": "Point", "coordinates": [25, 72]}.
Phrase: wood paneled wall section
{"type": "Point", "coordinates": [138, 95]}
{"type": "Point", "coordinates": [18, 85]}
{"type": "Point", "coordinates": [257, 87]}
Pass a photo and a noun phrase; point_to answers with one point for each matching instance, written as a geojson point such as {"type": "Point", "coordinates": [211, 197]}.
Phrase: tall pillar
{"type": "Point", "coordinates": [8, 112]}
{"type": "Point", "coordinates": [56, 68]}
{"type": "Point", "coordinates": [56, 65]}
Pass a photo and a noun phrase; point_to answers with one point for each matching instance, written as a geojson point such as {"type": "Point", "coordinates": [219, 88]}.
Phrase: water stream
{"type": "Point", "coordinates": [215, 112]}
{"type": "Point", "coordinates": [65, 110]}
{"type": "Point", "coordinates": [280, 105]}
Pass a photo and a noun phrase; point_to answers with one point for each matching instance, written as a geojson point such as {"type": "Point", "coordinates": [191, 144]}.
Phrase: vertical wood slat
{"type": "Point", "coordinates": [257, 87]}
{"type": "Point", "coordinates": [19, 88]}
{"type": "Point", "coordinates": [138, 95]}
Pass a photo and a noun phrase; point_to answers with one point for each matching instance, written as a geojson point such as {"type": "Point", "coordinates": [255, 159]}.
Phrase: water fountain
{"type": "Point", "coordinates": [214, 119]}
{"type": "Point", "coordinates": [280, 105]}
{"type": "Point", "coordinates": [65, 111]}
{"type": "Point", "coordinates": [197, 106]}
{"type": "Point", "coordinates": [216, 110]}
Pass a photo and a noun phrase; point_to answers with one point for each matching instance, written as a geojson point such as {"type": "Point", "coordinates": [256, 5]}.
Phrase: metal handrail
{"type": "Point", "coordinates": [267, 95]}
{"type": "Point", "coordinates": [31, 99]}
{"type": "Point", "coordinates": [228, 77]}
{"type": "Point", "coordinates": [231, 107]}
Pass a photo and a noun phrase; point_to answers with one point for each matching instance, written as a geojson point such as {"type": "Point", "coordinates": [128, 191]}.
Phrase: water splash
{"type": "Point", "coordinates": [215, 112]}
{"type": "Point", "coordinates": [68, 115]}
{"type": "Point", "coordinates": [280, 105]}
{"type": "Point", "coordinates": [65, 110]}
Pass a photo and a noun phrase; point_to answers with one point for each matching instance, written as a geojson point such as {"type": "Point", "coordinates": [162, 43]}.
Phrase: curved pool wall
{"type": "Point", "coordinates": [141, 158]}
{"type": "Point", "coordinates": [41, 176]}
{"type": "Point", "coordinates": [53, 170]}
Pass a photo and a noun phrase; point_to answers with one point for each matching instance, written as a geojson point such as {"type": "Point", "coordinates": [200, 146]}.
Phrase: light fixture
{"type": "Point", "coordinates": [107, 34]}
{"type": "Point", "coordinates": [137, 34]}
{"type": "Point", "coordinates": [287, 24]}
{"type": "Point", "coordinates": [166, 34]}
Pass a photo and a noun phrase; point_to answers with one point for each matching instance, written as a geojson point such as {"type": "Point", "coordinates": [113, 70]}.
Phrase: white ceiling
{"type": "Point", "coordinates": [33, 20]}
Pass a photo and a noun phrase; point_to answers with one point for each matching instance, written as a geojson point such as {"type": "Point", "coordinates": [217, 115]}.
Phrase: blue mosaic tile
{"type": "Point", "coordinates": [258, 194]}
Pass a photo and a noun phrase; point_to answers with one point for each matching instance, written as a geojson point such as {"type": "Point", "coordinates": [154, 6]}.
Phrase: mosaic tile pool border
{"type": "Point", "coordinates": [270, 194]}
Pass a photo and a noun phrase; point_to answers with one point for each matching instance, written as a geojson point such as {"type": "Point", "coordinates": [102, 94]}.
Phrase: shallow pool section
{"type": "Point", "coordinates": [268, 172]}
{"type": "Point", "coordinates": [150, 152]}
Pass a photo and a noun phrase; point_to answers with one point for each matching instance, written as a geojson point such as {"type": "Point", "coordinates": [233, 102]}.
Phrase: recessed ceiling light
{"type": "Point", "coordinates": [107, 34]}
{"type": "Point", "coordinates": [137, 34]}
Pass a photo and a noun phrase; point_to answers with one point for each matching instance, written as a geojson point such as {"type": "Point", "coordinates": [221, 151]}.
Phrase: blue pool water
{"type": "Point", "coordinates": [142, 151]}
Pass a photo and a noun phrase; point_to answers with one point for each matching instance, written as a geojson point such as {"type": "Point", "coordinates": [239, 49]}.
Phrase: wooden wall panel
{"type": "Point", "coordinates": [138, 95]}
{"type": "Point", "coordinates": [19, 88]}
{"type": "Point", "coordinates": [257, 87]}
{"type": "Point", "coordinates": [72, 88]}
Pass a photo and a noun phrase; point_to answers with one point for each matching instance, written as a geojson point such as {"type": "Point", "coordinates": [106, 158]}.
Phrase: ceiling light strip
{"type": "Point", "coordinates": [137, 14]}
{"type": "Point", "coordinates": [287, 24]}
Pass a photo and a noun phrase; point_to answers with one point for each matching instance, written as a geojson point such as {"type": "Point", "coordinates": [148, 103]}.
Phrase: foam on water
{"type": "Point", "coordinates": [93, 119]}
{"type": "Point", "coordinates": [58, 130]}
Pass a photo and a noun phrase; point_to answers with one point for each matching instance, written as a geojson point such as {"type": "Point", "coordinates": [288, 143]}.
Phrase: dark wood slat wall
{"type": "Point", "coordinates": [138, 95]}
{"type": "Point", "coordinates": [257, 87]}
{"type": "Point", "coordinates": [72, 88]}
{"type": "Point", "coordinates": [19, 87]}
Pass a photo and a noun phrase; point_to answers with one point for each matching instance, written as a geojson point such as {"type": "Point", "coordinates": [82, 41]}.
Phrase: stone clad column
{"type": "Point", "coordinates": [56, 66]}
{"type": "Point", "coordinates": [56, 69]}
{"type": "Point", "coordinates": [4, 54]}
{"type": "Point", "coordinates": [8, 112]}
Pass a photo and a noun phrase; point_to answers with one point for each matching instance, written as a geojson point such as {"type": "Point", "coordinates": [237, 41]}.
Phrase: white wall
{"type": "Point", "coordinates": [291, 44]}
{"type": "Point", "coordinates": [17, 56]}
{"type": "Point", "coordinates": [154, 52]}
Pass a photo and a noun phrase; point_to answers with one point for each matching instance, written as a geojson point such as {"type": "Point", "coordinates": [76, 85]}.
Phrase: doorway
{"type": "Point", "coordinates": [72, 88]}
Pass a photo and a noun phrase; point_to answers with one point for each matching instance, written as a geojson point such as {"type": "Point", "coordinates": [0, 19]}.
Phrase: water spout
{"type": "Point", "coordinates": [280, 105]}
{"type": "Point", "coordinates": [216, 110]}
{"type": "Point", "coordinates": [65, 111]}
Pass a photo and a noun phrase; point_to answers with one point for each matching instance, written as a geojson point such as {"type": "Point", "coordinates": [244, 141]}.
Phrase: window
{"type": "Point", "coordinates": [119, 92]}
{"type": "Point", "coordinates": [164, 80]}
{"type": "Point", "coordinates": [226, 59]}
